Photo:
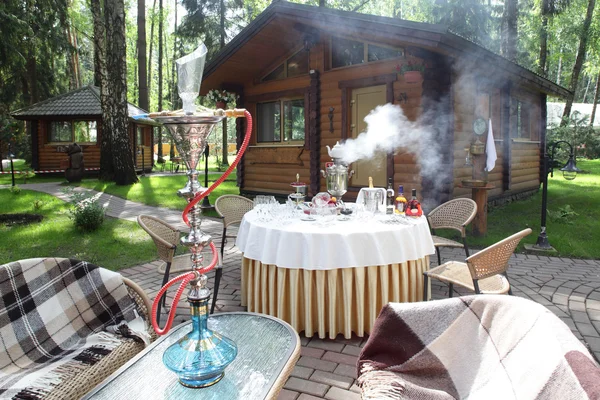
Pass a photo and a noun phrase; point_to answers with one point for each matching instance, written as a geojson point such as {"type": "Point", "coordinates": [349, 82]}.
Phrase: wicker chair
{"type": "Point", "coordinates": [483, 272]}
{"type": "Point", "coordinates": [231, 209]}
{"type": "Point", "coordinates": [455, 214]}
{"type": "Point", "coordinates": [166, 238]}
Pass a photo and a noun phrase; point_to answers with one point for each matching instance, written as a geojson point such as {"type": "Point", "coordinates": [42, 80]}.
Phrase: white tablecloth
{"type": "Point", "coordinates": [314, 245]}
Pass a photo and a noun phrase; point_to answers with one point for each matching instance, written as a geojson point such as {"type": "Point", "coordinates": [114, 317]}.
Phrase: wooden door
{"type": "Point", "coordinates": [364, 100]}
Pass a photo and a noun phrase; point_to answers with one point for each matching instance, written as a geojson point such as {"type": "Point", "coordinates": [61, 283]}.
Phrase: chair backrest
{"type": "Point", "coordinates": [454, 214]}
{"type": "Point", "coordinates": [493, 260]}
{"type": "Point", "coordinates": [232, 208]}
{"type": "Point", "coordinates": [164, 235]}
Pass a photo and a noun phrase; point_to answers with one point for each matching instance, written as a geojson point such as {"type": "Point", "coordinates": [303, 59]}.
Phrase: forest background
{"type": "Point", "coordinates": [49, 47]}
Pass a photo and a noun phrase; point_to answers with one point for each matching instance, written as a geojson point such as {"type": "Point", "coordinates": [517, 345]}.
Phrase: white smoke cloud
{"type": "Point", "coordinates": [388, 129]}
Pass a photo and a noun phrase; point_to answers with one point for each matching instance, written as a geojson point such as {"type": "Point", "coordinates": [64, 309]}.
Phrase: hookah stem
{"type": "Point", "coordinates": [186, 278]}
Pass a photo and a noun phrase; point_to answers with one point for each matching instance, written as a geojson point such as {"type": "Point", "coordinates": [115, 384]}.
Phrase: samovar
{"type": "Point", "coordinates": [336, 173]}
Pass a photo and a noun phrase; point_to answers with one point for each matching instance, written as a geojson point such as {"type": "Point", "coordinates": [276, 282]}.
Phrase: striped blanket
{"type": "Point", "coordinates": [53, 313]}
{"type": "Point", "coordinates": [476, 347]}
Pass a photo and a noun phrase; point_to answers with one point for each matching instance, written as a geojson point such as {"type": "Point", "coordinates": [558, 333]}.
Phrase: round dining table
{"type": "Point", "coordinates": [331, 275]}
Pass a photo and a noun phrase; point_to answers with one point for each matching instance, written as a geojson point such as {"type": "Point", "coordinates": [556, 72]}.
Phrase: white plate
{"type": "Point", "coordinates": [307, 219]}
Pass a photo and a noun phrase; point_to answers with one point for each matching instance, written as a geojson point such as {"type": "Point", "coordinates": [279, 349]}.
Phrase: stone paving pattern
{"type": "Point", "coordinates": [570, 288]}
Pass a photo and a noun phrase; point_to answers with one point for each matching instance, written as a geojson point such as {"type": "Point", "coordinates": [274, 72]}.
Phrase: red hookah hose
{"type": "Point", "coordinates": [187, 277]}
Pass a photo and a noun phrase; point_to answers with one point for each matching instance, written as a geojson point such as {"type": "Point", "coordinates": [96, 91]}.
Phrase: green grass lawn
{"type": "Point", "coordinates": [572, 236]}
{"type": "Point", "coordinates": [117, 244]}
{"type": "Point", "coordinates": [161, 191]}
{"type": "Point", "coordinates": [20, 165]}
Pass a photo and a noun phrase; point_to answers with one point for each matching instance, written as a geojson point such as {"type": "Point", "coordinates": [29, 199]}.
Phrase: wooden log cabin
{"type": "Point", "coordinates": [309, 75]}
{"type": "Point", "coordinates": [76, 117]}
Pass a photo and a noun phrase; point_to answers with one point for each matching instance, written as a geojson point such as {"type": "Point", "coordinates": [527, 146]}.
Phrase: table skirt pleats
{"type": "Point", "coordinates": [334, 301]}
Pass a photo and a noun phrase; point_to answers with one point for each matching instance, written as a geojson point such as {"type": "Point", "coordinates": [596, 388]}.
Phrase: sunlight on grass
{"type": "Point", "coordinates": [117, 244]}
{"type": "Point", "coordinates": [161, 191]}
{"type": "Point", "coordinates": [575, 236]}
{"type": "Point", "coordinates": [20, 165]}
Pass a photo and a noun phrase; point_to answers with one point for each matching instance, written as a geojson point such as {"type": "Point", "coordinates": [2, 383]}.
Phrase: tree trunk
{"type": "Point", "coordinates": [509, 31]}
{"type": "Point", "coordinates": [116, 63]}
{"type": "Point", "coordinates": [222, 44]}
{"type": "Point", "coordinates": [160, 73]}
{"type": "Point", "coordinates": [595, 100]}
{"type": "Point", "coordinates": [100, 79]}
{"type": "Point", "coordinates": [150, 51]}
{"type": "Point", "coordinates": [579, 60]}
{"type": "Point", "coordinates": [543, 45]}
{"type": "Point", "coordinates": [587, 88]}
{"type": "Point", "coordinates": [141, 55]}
{"type": "Point", "coordinates": [173, 80]}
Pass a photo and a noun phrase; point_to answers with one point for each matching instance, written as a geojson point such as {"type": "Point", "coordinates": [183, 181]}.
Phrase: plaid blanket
{"type": "Point", "coordinates": [52, 316]}
{"type": "Point", "coordinates": [477, 347]}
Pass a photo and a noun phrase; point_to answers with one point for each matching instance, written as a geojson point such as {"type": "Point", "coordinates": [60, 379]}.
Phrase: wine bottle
{"type": "Point", "coordinates": [413, 207]}
{"type": "Point", "coordinates": [400, 202]}
{"type": "Point", "coordinates": [389, 207]}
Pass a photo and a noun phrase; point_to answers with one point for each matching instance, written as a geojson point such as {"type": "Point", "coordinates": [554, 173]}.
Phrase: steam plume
{"type": "Point", "coordinates": [388, 130]}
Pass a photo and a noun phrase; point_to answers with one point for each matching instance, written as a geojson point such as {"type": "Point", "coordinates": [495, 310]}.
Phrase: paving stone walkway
{"type": "Point", "coordinates": [570, 288]}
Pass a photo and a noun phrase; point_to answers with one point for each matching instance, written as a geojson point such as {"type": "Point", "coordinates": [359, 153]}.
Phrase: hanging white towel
{"type": "Point", "coordinates": [490, 150]}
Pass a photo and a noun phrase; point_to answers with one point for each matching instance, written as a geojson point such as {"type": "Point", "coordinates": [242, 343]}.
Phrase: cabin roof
{"type": "Point", "coordinates": [234, 63]}
{"type": "Point", "coordinates": [83, 102]}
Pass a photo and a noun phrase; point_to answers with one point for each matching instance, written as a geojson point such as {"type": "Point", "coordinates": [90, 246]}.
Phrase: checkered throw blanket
{"type": "Point", "coordinates": [476, 347]}
{"type": "Point", "coordinates": [52, 316]}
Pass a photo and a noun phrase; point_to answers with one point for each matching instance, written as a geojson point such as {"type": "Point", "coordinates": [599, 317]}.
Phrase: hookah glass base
{"type": "Point", "coordinates": [200, 357]}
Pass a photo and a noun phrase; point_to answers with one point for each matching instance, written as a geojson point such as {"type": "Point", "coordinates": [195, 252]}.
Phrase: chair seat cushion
{"type": "Point", "coordinates": [182, 263]}
{"type": "Point", "coordinates": [457, 273]}
{"type": "Point", "coordinates": [439, 241]}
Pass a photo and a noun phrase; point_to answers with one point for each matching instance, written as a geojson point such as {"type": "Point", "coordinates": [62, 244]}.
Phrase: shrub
{"type": "Point", "coordinates": [15, 189]}
{"type": "Point", "coordinates": [564, 215]}
{"type": "Point", "coordinates": [86, 212]}
{"type": "Point", "coordinates": [37, 204]}
{"type": "Point", "coordinates": [585, 141]}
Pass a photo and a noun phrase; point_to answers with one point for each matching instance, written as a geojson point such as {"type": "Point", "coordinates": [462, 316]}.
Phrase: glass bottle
{"type": "Point", "coordinates": [400, 202]}
{"type": "Point", "coordinates": [413, 207]}
{"type": "Point", "coordinates": [389, 206]}
{"type": "Point", "coordinates": [200, 357]}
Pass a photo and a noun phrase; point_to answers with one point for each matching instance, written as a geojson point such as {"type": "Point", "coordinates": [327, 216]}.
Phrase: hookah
{"type": "Point", "coordinates": [200, 357]}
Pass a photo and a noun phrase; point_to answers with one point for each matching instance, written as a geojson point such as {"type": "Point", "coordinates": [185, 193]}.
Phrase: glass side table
{"type": "Point", "coordinates": [268, 349]}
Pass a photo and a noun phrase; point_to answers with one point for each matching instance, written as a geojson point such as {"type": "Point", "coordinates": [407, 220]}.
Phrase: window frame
{"type": "Point", "coordinates": [285, 67]}
{"type": "Point", "coordinates": [366, 44]}
{"type": "Point", "coordinates": [72, 125]}
{"type": "Point", "coordinates": [282, 142]}
{"type": "Point", "coordinates": [523, 120]}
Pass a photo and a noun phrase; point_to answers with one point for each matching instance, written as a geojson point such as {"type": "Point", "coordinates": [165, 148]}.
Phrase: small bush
{"type": "Point", "coordinates": [86, 212]}
{"type": "Point", "coordinates": [37, 204]}
{"type": "Point", "coordinates": [15, 189]}
{"type": "Point", "coordinates": [564, 215]}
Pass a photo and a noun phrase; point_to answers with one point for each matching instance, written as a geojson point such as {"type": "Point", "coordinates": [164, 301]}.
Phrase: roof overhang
{"type": "Point", "coordinates": [262, 43]}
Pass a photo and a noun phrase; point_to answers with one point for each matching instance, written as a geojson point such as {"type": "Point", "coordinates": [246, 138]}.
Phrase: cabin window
{"type": "Point", "coordinates": [139, 139]}
{"type": "Point", "coordinates": [73, 131]}
{"type": "Point", "coordinates": [523, 129]}
{"type": "Point", "coordinates": [346, 52]}
{"type": "Point", "coordinates": [280, 122]}
{"type": "Point", "coordinates": [295, 65]}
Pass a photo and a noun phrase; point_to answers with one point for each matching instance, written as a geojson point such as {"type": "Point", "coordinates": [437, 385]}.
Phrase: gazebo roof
{"type": "Point", "coordinates": [83, 102]}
